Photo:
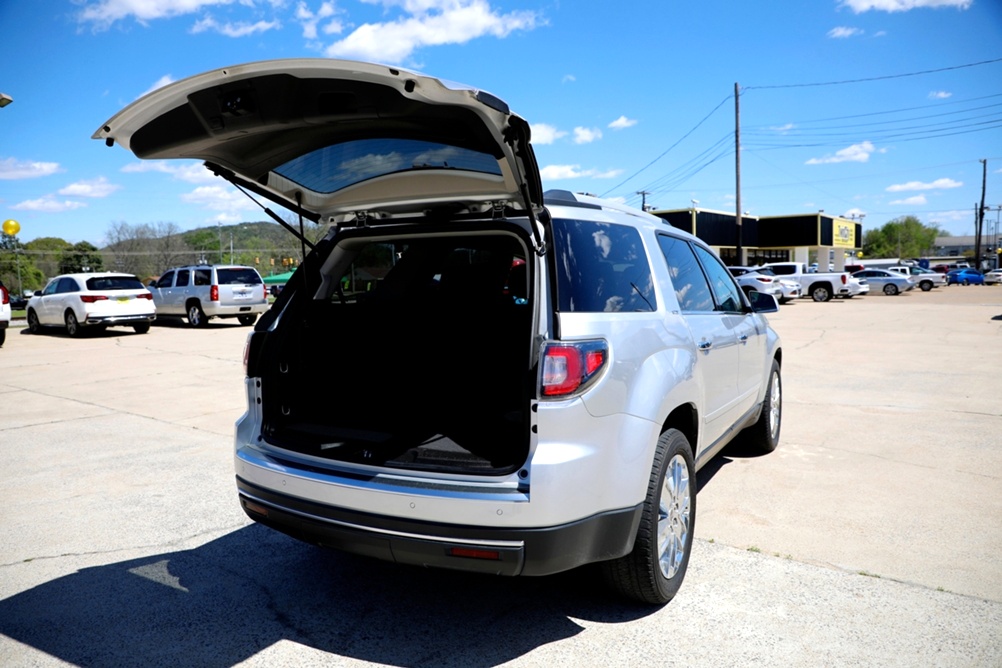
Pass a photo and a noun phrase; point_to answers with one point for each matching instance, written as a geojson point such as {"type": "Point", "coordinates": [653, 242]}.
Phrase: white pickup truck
{"type": "Point", "coordinates": [926, 279]}
{"type": "Point", "coordinates": [819, 287]}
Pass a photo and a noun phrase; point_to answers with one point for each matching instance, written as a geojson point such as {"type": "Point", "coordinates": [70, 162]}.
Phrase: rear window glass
{"type": "Point", "coordinates": [241, 276]}
{"type": "Point", "coordinates": [472, 272]}
{"type": "Point", "coordinates": [114, 283]}
{"type": "Point", "coordinates": [601, 267]}
{"type": "Point", "coordinates": [332, 168]}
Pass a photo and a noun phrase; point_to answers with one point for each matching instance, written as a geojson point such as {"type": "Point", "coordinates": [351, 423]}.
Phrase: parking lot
{"type": "Point", "coordinates": [872, 536]}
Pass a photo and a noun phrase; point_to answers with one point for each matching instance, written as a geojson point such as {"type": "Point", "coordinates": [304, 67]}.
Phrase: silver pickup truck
{"type": "Point", "coordinates": [201, 292]}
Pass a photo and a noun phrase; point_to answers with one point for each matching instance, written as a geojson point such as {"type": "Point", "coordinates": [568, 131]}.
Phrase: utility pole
{"type": "Point", "coordinates": [981, 216]}
{"type": "Point", "coordinates": [643, 199]}
{"type": "Point", "coordinates": [737, 171]}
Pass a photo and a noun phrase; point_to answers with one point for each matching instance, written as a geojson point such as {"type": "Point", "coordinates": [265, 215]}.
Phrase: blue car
{"type": "Point", "coordinates": [966, 276]}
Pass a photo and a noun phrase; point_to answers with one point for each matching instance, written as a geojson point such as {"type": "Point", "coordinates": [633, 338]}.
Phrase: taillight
{"type": "Point", "coordinates": [90, 299]}
{"type": "Point", "coordinates": [214, 293]}
{"type": "Point", "coordinates": [264, 290]}
{"type": "Point", "coordinates": [145, 295]}
{"type": "Point", "coordinates": [844, 279]}
{"type": "Point", "coordinates": [570, 367]}
{"type": "Point", "coordinates": [4, 297]}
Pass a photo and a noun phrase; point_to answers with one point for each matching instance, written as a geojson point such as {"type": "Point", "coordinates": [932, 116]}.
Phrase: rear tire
{"type": "Point", "coordinates": [653, 572]}
{"type": "Point", "coordinates": [247, 319]}
{"type": "Point", "coordinates": [141, 328]}
{"type": "Point", "coordinates": [763, 436]}
{"type": "Point", "coordinates": [73, 327]}
{"type": "Point", "coordinates": [821, 293]}
{"type": "Point", "coordinates": [196, 316]}
{"type": "Point", "coordinates": [3, 336]}
{"type": "Point", "coordinates": [890, 289]}
{"type": "Point", "coordinates": [926, 286]}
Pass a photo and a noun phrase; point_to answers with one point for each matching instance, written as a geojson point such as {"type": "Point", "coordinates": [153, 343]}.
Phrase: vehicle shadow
{"type": "Point", "coordinates": [171, 322]}
{"type": "Point", "coordinates": [229, 599]}
{"type": "Point", "coordinates": [735, 450]}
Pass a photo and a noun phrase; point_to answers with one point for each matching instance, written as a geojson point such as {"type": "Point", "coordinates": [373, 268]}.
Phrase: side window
{"type": "Point", "coordinates": [690, 284]}
{"type": "Point", "coordinates": [601, 267]}
{"type": "Point", "coordinates": [203, 276]}
{"type": "Point", "coordinates": [165, 280]}
{"type": "Point", "coordinates": [67, 285]}
{"type": "Point", "coordinates": [182, 278]}
{"type": "Point", "coordinates": [50, 289]}
{"type": "Point", "coordinates": [725, 291]}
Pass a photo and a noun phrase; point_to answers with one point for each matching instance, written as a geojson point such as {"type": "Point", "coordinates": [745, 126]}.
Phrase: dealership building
{"type": "Point", "coordinates": [796, 238]}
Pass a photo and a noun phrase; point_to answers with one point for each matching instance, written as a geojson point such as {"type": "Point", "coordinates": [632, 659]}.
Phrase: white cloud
{"type": "Point", "coordinates": [99, 187]}
{"type": "Point", "coordinates": [48, 204]}
{"type": "Point", "coordinates": [560, 172]}
{"type": "Point", "coordinates": [939, 95]}
{"type": "Point", "coordinates": [187, 172]}
{"type": "Point", "coordinates": [159, 83]}
{"type": "Point", "coordinates": [543, 134]}
{"type": "Point", "coordinates": [860, 6]}
{"type": "Point", "coordinates": [854, 213]}
{"type": "Point", "coordinates": [938, 184]}
{"type": "Point", "coordinates": [569, 78]}
{"type": "Point", "coordinates": [843, 32]}
{"type": "Point", "coordinates": [104, 13]}
{"type": "Point", "coordinates": [239, 29]}
{"type": "Point", "coordinates": [855, 153]}
{"type": "Point", "coordinates": [428, 23]}
{"type": "Point", "coordinates": [218, 198]}
{"type": "Point", "coordinates": [586, 135]}
{"type": "Point", "coordinates": [310, 20]}
{"type": "Point", "coordinates": [911, 201]}
{"type": "Point", "coordinates": [12, 169]}
{"type": "Point", "coordinates": [622, 122]}
{"type": "Point", "coordinates": [783, 129]}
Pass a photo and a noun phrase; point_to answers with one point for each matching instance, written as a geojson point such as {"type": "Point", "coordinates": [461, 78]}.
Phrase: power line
{"type": "Point", "coordinates": [882, 78]}
{"type": "Point", "coordinates": [627, 179]}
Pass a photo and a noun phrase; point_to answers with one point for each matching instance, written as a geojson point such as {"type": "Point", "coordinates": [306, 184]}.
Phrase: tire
{"type": "Point", "coordinates": [33, 325]}
{"type": "Point", "coordinates": [890, 289]}
{"type": "Point", "coordinates": [73, 327]}
{"type": "Point", "coordinates": [763, 436]}
{"type": "Point", "coordinates": [653, 572]}
{"type": "Point", "coordinates": [821, 292]}
{"type": "Point", "coordinates": [196, 316]}
{"type": "Point", "coordinates": [965, 282]}
{"type": "Point", "coordinates": [141, 328]}
{"type": "Point", "coordinates": [3, 336]}
{"type": "Point", "coordinates": [925, 286]}
{"type": "Point", "coordinates": [247, 319]}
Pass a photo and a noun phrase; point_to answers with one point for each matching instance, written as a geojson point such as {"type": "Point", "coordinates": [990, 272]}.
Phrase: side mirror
{"type": "Point", "coordinates": [762, 302]}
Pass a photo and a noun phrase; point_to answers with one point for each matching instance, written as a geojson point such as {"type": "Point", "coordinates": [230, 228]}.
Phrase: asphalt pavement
{"type": "Point", "coordinates": [870, 537]}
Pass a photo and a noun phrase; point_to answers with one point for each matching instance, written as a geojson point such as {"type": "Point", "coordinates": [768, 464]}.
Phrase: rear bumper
{"type": "Point", "coordinates": [501, 551]}
{"type": "Point", "coordinates": [214, 310]}
{"type": "Point", "coordinates": [120, 319]}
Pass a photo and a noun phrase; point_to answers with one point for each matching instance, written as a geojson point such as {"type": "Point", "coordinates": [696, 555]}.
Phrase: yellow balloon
{"type": "Point", "coordinates": [11, 227]}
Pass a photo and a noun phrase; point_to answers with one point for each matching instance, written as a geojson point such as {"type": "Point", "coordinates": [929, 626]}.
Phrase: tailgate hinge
{"type": "Point", "coordinates": [497, 209]}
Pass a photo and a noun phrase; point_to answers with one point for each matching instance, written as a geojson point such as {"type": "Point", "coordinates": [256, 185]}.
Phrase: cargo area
{"type": "Point", "coordinates": [419, 360]}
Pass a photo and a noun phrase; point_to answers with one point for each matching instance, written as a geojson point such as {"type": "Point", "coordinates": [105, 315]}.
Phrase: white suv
{"type": "Point", "coordinates": [467, 373]}
{"type": "Point", "coordinates": [5, 312]}
{"type": "Point", "coordinates": [202, 292]}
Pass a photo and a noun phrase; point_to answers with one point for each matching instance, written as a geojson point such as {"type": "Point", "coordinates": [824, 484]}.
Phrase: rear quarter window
{"type": "Point", "coordinates": [601, 267]}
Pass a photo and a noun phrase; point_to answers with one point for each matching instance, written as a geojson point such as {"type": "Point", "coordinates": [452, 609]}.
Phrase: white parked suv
{"type": "Point", "coordinates": [91, 302]}
{"type": "Point", "coordinates": [202, 292]}
{"type": "Point", "coordinates": [467, 373]}
{"type": "Point", "coordinates": [4, 312]}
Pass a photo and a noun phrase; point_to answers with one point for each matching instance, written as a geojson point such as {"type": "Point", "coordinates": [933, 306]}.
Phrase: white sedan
{"type": "Point", "coordinates": [81, 301]}
{"type": "Point", "coordinates": [993, 277]}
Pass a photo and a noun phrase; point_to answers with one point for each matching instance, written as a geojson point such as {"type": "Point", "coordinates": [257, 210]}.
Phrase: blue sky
{"type": "Point", "coordinates": [874, 108]}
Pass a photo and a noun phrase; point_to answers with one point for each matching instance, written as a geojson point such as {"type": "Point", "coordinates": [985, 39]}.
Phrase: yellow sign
{"type": "Point", "coordinates": [843, 233]}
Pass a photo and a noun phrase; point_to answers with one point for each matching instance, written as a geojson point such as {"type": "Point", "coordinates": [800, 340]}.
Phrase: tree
{"type": "Point", "coordinates": [47, 252]}
{"type": "Point", "coordinates": [82, 257]}
{"type": "Point", "coordinates": [17, 269]}
{"type": "Point", "coordinates": [902, 237]}
{"type": "Point", "coordinates": [145, 250]}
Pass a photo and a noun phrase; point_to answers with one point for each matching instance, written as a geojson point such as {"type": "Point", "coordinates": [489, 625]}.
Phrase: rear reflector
{"type": "Point", "coordinates": [472, 553]}
{"type": "Point", "coordinates": [255, 508]}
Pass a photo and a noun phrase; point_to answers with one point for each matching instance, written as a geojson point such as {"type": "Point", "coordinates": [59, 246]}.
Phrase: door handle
{"type": "Point", "coordinates": [704, 345]}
